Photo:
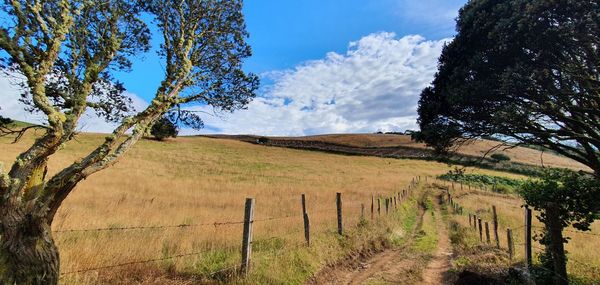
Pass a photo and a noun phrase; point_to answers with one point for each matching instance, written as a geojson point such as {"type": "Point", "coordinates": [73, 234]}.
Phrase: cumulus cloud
{"type": "Point", "coordinates": [11, 107]}
{"type": "Point", "coordinates": [374, 86]}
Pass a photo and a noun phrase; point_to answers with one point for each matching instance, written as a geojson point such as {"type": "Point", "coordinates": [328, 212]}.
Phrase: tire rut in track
{"type": "Point", "coordinates": [435, 272]}
{"type": "Point", "coordinates": [391, 264]}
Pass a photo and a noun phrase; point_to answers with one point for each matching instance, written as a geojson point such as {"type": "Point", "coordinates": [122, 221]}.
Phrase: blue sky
{"type": "Point", "coordinates": [327, 66]}
{"type": "Point", "coordinates": [285, 33]}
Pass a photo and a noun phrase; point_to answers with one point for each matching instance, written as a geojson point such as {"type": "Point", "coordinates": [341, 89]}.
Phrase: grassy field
{"type": "Point", "coordinates": [582, 248]}
{"type": "Point", "coordinates": [199, 181]}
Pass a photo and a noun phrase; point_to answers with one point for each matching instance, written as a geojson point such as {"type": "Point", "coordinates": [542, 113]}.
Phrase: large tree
{"type": "Point", "coordinates": [67, 51]}
{"type": "Point", "coordinates": [526, 72]}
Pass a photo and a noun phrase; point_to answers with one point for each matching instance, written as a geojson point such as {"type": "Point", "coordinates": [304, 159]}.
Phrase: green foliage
{"type": "Point", "coordinates": [563, 198]}
{"type": "Point", "coordinates": [496, 183]}
{"type": "Point", "coordinates": [500, 157]}
{"type": "Point", "coordinates": [5, 121]}
{"type": "Point", "coordinates": [164, 128]}
{"type": "Point", "coordinates": [513, 67]}
{"type": "Point", "coordinates": [576, 193]}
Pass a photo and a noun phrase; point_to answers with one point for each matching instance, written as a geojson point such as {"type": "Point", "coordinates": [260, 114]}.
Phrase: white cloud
{"type": "Point", "coordinates": [374, 86]}
{"type": "Point", "coordinates": [10, 93]}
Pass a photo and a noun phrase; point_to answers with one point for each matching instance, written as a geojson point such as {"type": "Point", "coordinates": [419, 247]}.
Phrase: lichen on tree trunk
{"type": "Point", "coordinates": [28, 254]}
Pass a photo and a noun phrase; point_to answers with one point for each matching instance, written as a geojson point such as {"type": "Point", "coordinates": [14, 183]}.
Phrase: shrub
{"type": "Point", "coordinates": [500, 157]}
{"type": "Point", "coordinates": [164, 128]}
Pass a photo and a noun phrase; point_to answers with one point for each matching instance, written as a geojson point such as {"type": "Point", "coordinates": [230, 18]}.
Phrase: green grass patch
{"type": "Point", "coordinates": [427, 238]}
{"type": "Point", "coordinates": [495, 183]}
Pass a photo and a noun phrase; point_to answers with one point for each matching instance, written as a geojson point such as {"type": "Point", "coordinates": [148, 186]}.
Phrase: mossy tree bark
{"type": "Point", "coordinates": [65, 50]}
{"type": "Point", "coordinates": [556, 248]}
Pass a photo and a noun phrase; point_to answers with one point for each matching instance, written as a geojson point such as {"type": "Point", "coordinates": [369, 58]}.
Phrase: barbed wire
{"type": "Point", "coordinates": [354, 205]}
{"type": "Point", "coordinates": [215, 224]}
{"type": "Point", "coordinates": [582, 232]}
{"type": "Point", "coordinates": [133, 262]}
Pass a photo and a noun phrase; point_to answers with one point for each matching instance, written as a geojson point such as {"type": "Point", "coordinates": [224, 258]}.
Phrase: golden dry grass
{"type": "Point", "coordinates": [582, 248]}
{"type": "Point", "coordinates": [476, 148]}
{"type": "Point", "coordinates": [193, 180]}
{"type": "Point", "coordinates": [200, 180]}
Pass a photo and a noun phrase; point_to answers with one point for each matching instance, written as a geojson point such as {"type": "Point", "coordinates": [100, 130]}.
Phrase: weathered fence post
{"type": "Point", "coordinates": [487, 233]}
{"type": "Point", "coordinates": [495, 224]}
{"type": "Point", "coordinates": [303, 200]}
{"type": "Point", "coordinates": [379, 206]}
{"type": "Point", "coordinates": [480, 230]}
{"type": "Point", "coordinates": [474, 221]}
{"type": "Point", "coordinates": [387, 201]}
{"type": "Point", "coordinates": [247, 236]}
{"type": "Point", "coordinates": [338, 202]}
{"type": "Point", "coordinates": [528, 257]}
{"type": "Point", "coordinates": [510, 244]}
{"type": "Point", "coordinates": [306, 221]}
{"type": "Point", "coordinates": [362, 211]}
{"type": "Point", "coordinates": [470, 225]}
{"type": "Point", "coordinates": [372, 207]}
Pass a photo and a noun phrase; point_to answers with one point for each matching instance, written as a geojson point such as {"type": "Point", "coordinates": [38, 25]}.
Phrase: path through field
{"type": "Point", "coordinates": [440, 264]}
{"type": "Point", "coordinates": [397, 265]}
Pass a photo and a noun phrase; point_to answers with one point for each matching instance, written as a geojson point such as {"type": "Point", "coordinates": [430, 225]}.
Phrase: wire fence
{"type": "Point", "coordinates": [352, 207]}
{"type": "Point", "coordinates": [519, 241]}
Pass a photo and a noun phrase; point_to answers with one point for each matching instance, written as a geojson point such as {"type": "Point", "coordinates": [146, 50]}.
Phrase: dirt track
{"type": "Point", "coordinates": [394, 266]}
{"type": "Point", "coordinates": [440, 264]}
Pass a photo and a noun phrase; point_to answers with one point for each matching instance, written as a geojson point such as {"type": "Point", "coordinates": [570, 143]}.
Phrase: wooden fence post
{"type": "Point", "coordinates": [474, 221]}
{"type": "Point", "coordinates": [509, 240]}
{"type": "Point", "coordinates": [379, 206]}
{"type": "Point", "coordinates": [495, 224]}
{"type": "Point", "coordinates": [480, 230]}
{"type": "Point", "coordinates": [338, 200]}
{"type": "Point", "coordinates": [470, 225]}
{"type": "Point", "coordinates": [387, 201]}
{"type": "Point", "coordinates": [487, 233]}
{"type": "Point", "coordinates": [306, 221]}
{"type": "Point", "coordinates": [372, 207]}
{"type": "Point", "coordinates": [362, 211]}
{"type": "Point", "coordinates": [528, 257]}
{"type": "Point", "coordinates": [247, 236]}
{"type": "Point", "coordinates": [303, 200]}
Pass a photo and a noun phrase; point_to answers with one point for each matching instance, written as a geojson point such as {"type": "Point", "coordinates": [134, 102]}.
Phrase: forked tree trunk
{"type": "Point", "coordinates": [28, 254]}
{"type": "Point", "coordinates": [556, 245]}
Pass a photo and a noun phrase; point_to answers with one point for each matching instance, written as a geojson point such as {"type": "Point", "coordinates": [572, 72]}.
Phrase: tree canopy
{"type": "Point", "coordinates": [68, 51]}
{"type": "Point", "coordinates": [523, 72]}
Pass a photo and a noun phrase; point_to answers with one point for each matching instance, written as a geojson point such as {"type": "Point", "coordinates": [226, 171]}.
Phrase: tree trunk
{"type": "Point", "coordinates": [28, 254]}
{"type": "Point", "coordinates": [556, 245]}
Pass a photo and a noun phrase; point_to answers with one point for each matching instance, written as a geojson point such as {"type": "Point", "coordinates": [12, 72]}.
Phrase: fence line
{"type": "Point", "coordinates": [400, 192]}
{"type": "Point", "coordinates": [215, 224]}
{"type": "Point", "coordinates": [528, 244]}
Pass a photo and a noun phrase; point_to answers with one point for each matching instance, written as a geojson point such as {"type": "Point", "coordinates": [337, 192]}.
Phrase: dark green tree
{"type": "Point", "coordinates": [68, 52]}
{"type": "Point", "coordinates": [562, 198]}
{"type": "Point", "coordinates": [164, 128]}
{"type": "Point", "coordinates": [525, 72]}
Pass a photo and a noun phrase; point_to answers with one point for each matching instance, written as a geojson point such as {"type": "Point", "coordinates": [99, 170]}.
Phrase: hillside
{"type": "Point", "coordinates": [401, 146]}
{"type": "Point", "coordinates": [170, 212]}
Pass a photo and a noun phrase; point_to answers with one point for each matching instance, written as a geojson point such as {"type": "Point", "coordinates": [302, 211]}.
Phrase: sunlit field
{"type": "Point", "coordinates": [582, 248]}
{"type": "Point", "coordinates": [186, 196]}
{"type": "Point", "coordinates": [474, 148]}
